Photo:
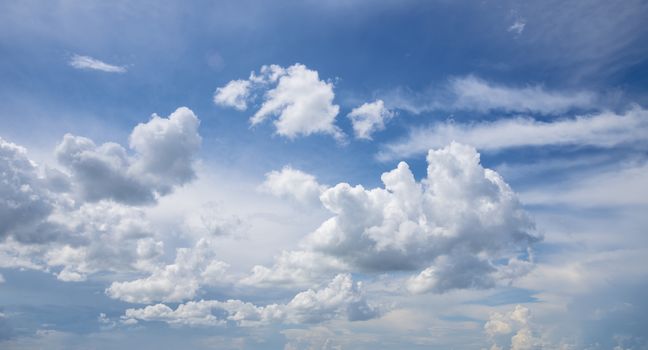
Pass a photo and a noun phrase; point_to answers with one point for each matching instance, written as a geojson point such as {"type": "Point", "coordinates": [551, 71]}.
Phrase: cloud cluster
{"type": "Point", "coordinates": [300, 101]}
{"type": "Point", "coordinates": [83, 222]}
{"type": "Point", "coordinates": [517, 322]}
{"type": "Point", "coordinates": [342, 297]}
{"type": "Point", "coordinates": [605, 129]}
{"type": "Point", "coordinates": [369, 118]}
{"type": "Point", "coordinates": [192, 269]}
{"type": "Point", "coordinates": [164, 149]}
{"type": "Point", "coordinates": [462, 225]}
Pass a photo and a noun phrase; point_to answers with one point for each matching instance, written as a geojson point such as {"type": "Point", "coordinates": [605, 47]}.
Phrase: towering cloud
{"type": "Point", "coordinates": [462, 225]}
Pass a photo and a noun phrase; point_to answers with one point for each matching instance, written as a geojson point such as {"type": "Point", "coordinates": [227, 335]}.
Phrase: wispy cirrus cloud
{"type": "Point", "coordinates": [605, 129]}
{"type": "Point", "coordinates": [91, 63]}
{"type": "Point", "coordinates": [471, 93]}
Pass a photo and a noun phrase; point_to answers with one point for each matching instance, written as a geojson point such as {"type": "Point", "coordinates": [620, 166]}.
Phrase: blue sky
{"type": "Point", "coordinates": [228, 174]}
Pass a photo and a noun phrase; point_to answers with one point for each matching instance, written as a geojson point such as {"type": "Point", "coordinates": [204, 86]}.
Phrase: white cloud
{"type": "Point", "coordinates": [369, 118]}
{"type": "Point", "coordinates": [233, 94]}
{"type": "Point", "coordinates": [302, 103]}
{"type": "Point", "coordinates": [518, 26]}
{"type": "Point", "coordinates": [470, 93]}
{"type": "Point", "coordinates": [457, 222]}
{"type": "Point", "coordinates": [25, 202]}
{"type": "Point", "coordinates": [299, 268]}
{"type": "Point", "coordinates": [87, 62]}
{"type": "Point", "coordinates": [293, 183]}
{"type": "Point", "coordinates": [517, 322]}
{"type": "Point", "coordinates": [340, 298]}
{"type": "Point", "coordinates": [47, 227]}
{"type": "Point", "coordinates": [193, 268]}
{"type": "Point", "coordinates": [164, 148]}
{"type": "Point", "coordinates": [606, 129]}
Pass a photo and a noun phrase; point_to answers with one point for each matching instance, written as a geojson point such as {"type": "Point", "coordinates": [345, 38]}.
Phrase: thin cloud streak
{"type": "Point", "coordinates": [606, 129]}
{"type": "Point", "coordinates": [90, 63]}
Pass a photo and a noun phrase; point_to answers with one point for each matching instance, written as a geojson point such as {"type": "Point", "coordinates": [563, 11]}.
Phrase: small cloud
{"type": "Point", "coordinates": [87, 62]}
{"type": "Point", "coordinates": [518, 26]}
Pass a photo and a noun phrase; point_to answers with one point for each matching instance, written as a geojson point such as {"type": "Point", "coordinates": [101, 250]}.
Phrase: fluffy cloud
{"type": "Point", "coordinates": [517, 321]}
{"type": "Point", "coordinates": [341, 298]}
{"type": "Point", "coordinates": [96, 237]}
{"type": "Point", "coordinates": [89, 63]}
{"type": "Point", "coordinates": [462, 225]}
{"type": "Point", "coordinates": [369, 118]}
{"type": "Point", "coordinates": [293, 183]}
{"type": "Point", "coordinates": [82, 224]}
{"type": "Point", "coordinates": [295, 268]}
{"type": "Point", "coordinates": [164, 148]}
{"type": "Point", "coordinates": [25, 201]}
{"type": "Point", "coordinates": [302, 103]}
{"type": "Point", "coordinates": [192, 269]}
{"type": "Point", "coordinates": [233, 94]}
{"type": "Point", "coordinates": [605, 129]}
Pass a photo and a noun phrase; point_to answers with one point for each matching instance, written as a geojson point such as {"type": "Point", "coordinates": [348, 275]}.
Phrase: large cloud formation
{"type": "Point", "coordinates": [164, 148]}
{"type": "Point", "coordinates": [83, 222]}
{"type": "Point", "coordinates": [302, 103]}
{"type": "Point", "coordinates": [462, 224]}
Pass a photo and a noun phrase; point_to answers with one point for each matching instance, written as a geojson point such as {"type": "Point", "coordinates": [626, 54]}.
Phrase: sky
{"type": "Point", "coordinates": [344, 174]}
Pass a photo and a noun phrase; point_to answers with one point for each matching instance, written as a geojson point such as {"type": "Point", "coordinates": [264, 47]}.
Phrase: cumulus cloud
{"type": "Point", "coordinates": [340, 298]}
{"type": "Point", "coordinates": [516, 322]}
{"type": "Point", "coordinates": [294, 184]}
{"type": "Point", "coordinates": [369, 118]}
{"type": "Point", "coordinates": [470, 93]}
{"type": "Point", "coordinates": [299, 268]}
{"type": "Point", "coordinates": [80, 224]}
{"type": "Point", "coordinates": [462, 225]}
{"type": "Point", "coordinates": [606, 129]}
{"type": "Point", "coordinates": [192, 269]}
{"type": "Point", "coordinates": [164, 149]}
{"type": "Point", "coordinates": [300, 101]}
{"type": "Point", "coordinates": [89, 63]}
{"type": "Point", "coordinates": [25, 201]}
{"type": "Point", "coordinates": [96, 237]}
{"type": "Point", "coordinates": [233, 94]}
